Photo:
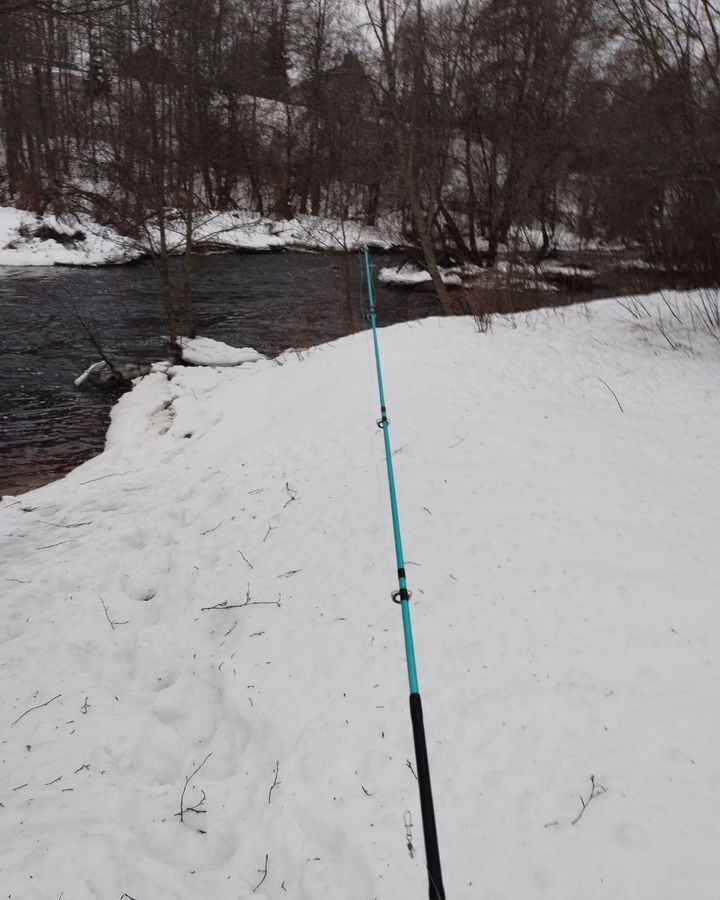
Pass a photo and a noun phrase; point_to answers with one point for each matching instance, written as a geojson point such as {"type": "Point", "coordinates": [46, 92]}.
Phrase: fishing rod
{"type": "Point", "coordinates": [402, 597]}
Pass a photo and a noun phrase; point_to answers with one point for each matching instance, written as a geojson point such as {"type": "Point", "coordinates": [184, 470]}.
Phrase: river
{"type": "Point", "coordinates": [269, 301]}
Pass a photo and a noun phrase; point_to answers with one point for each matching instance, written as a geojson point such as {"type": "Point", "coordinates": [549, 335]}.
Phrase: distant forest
{"type": "Point", "coordinates": [463, 119]}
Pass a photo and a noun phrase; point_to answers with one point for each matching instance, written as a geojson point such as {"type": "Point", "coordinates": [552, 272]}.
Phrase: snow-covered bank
{"type": "Point", "coordinates": [562, 553]}
{"type": "Point", "coordinates": [77, 241]}
{"type": "Point", "coordinates": [30, 240]}
{"type": "Point", "coordinates": [248, 231]}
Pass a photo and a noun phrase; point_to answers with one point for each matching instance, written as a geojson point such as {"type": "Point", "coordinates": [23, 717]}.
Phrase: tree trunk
{"type": "Point", "coordinates": [423, 230]}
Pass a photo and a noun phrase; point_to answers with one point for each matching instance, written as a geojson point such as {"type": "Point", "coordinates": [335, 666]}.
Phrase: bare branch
{"type": "Point", "coordinates": [246, 559]}
{"type": "Point", "coordinates": [49, 546]}
{"type": "Point", "coordinates": [291, 493]}
{"type": "Point", "coordinates": [612, 392]}
{"type": "Point", "coordinates": [264, 874]}
{"type": "Point", "coordinates": [275, 783]}
{"type": "Point", "coordinates": [188, 779]}
{"type": "Point", "coordinates": [55, 524]}
{"type": "Point", "coordinates": [596, 791]}
{"type": "Point", "coordinates": [410, 766]}
{"type": "Point", "coordinates": [247, 602]}
{"type": "Point", "coordinates": [210, 530]}
{"type": "Point", "coordinates": [39, 706]}
{"type": "Point", "coordinates": [107, 616]}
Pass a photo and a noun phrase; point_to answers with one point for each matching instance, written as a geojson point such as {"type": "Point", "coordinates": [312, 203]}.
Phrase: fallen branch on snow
{"type": "Point", "coordinates": [188, 779]}
{"type": "Point", "coordinates": [107, 616]}
{"type": "Point", "coordinates": [275, 782]}
{"type": "Point", "coordinates": [264, 874]}
{"type": "Point", "coordinates": [247, 602]}
{"type": "Point", "coordinates": [602, 381]}
{"type": "Point", "coordinates": [596, 791]}
{"type": "Point", "coordinates": [39, 706]}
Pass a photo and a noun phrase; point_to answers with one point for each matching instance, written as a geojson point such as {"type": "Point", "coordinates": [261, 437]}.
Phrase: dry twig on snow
{"type": "Point", "coordinates": [264, 874]}
{"type": "Point", "coordinates": [39, 706]}
{"type": "Point", "coordinates": [595, 791]}
{"type": "Point", "coordinates": [291, 493]}
{"type": "Point", "coordinates": [188, 779]}
{"type": "Point", "coordinates": [247, 602]}
{"type": "Point", "coordinates": [275, 783]}
{"type": "Point", "coordinates": [107, 616]}
{"type": "Point", "coordinates": [602, 381]}
{"type": "Point", "coordinates": [410, 766]}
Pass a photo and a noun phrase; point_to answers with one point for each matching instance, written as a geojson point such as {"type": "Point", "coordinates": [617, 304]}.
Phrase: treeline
{"type": "Point", "coordinates": [466, 119]}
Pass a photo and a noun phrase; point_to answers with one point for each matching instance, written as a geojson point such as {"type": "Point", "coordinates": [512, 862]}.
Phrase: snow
{"type": "Point", "coordinates": [577, 273]}
{"type": "Point", "coordinates": [561, 238]}
{"type": "Point", "coordinates": [81, 379]}
{"type": "Point", "coordinates": [203, 351]}
{"type": "Point", "coordinates": [224, 231]}
{"type": "Point", "coordinates": [219, 231]}
{"type": "Point", "coordinates": [99, 246]}
{"type": "Point", "coordinates": [636, 264]}
{"type": "Point", "coordinates": [522, 275]}
{"type": "Point", "coordinates": [563, 557]}
{"type": "Point", "coordinates": [11, 220]}
{"type": "Point", "coordinates": [252, 232]}
{"type": "Point", "coordinates": [409, 276]}
{"type": "Point", "coordinates": [318, 233]}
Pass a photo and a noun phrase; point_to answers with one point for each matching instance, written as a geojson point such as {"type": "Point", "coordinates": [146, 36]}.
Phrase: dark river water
{"type": "Point", "coordinates": [267, 301]}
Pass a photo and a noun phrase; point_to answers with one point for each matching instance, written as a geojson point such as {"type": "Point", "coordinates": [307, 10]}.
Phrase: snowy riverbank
{"type": "Point", "coordinates": [76, 240]}
{"type": "Point", "coordinates": [558, 493]}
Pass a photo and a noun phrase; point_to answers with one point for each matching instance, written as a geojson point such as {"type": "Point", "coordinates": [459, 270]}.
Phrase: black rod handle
{"type": "Point", "coordinates": [432, 851]}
